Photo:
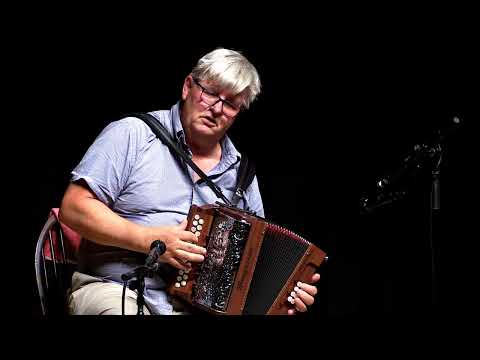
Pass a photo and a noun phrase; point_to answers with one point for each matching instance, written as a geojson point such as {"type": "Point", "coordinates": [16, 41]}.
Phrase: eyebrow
{"type": "Point", "coordinates": [216, 93]}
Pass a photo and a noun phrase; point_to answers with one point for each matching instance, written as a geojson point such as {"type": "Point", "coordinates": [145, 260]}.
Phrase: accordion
{"type": "Point", "coordinates": [250, 268]}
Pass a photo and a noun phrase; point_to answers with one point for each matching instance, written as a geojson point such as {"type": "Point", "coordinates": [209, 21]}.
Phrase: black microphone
{"type": "Point", "coordinates": [157, 249]}
{"type": "Point", "coordinates": [449, 130]}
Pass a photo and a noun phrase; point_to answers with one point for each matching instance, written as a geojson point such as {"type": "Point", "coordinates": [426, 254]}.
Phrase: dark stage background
{"type": "Point", "coordinates": [338, 110]}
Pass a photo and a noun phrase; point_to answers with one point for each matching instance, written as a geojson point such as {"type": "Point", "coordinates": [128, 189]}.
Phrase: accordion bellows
{"type": "Point", "coordinates": [251, 265]}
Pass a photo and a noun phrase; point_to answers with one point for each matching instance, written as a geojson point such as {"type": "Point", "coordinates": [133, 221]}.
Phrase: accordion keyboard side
{"type": "Point", "coordinates": [284, 259]}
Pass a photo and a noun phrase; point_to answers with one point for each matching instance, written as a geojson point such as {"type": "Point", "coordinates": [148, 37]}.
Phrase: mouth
{"type": "Point", "coordinates": [210, 121]}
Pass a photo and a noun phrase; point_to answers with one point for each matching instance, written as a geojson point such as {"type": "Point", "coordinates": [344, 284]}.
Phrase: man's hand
{"type": "Point", "coordinates": [304, 295]}
{"type": "Point", "coordinates": [179, 242]}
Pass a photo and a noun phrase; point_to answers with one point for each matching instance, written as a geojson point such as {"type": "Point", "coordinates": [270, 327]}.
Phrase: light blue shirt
{"type": "Point", "coordinates": [136, 175]}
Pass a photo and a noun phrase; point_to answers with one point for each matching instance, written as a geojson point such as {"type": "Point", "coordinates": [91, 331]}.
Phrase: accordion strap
{"type": "Point", "coordinates": [246, 173]}
{"type": "Point", "coordinates": [162, 133]}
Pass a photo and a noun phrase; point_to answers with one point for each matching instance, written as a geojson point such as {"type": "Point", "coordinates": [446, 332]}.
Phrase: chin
{"type": "Point", "coordinates": [205, 129]}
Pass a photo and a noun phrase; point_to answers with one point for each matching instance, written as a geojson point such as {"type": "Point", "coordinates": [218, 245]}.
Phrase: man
{"type": "Point", "coordinates": [129, 190]}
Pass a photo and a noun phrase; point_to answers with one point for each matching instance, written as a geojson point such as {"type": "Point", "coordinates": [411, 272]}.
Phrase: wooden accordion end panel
{"type": "Point", "coordinates": [251, 265]}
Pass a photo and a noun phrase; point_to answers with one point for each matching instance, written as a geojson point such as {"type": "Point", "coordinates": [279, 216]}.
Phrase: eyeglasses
{"type": "Point", "coordinates": [211, 100]}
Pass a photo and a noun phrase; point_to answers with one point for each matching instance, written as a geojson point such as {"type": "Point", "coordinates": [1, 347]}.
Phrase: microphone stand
{"type": "Point", "coordinates": [387, 194]}
{"type": "Point", "coordinates": [434, 214]}
{"type": "Point", "coordinates": [157, 248]}
{"type": "Point", "coordinates": [139, 273]}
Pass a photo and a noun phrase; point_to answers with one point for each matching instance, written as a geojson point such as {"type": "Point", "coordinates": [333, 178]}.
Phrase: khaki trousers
{"type": "Point", "coordinates": [92, 296]}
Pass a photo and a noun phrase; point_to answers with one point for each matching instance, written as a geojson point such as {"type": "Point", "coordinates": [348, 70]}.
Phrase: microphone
{"type": "Point", "coordinates": [421, 153]}
{"type": "Point", "coordinates": [157, 249]}
{"type": "Point", "coordinates": [449, 130]}
{"type": "Point", "coordinates": [411, 164]}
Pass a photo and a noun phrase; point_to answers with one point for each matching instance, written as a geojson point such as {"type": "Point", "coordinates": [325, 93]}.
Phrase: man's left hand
{"type": "Point", "coordinates": [304, 295]}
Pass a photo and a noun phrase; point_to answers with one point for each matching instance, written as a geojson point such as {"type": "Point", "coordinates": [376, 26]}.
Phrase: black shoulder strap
{"type": "Point", "coordinates": [246, 173]}
{"type": "Point", "coordinates": [162, 133]}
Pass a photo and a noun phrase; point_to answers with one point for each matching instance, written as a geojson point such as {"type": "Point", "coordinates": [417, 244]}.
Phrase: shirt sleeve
{"type": "Point", "coordinates": [254, 199]}
{"type": "Point", "coordinates": [108, 162]}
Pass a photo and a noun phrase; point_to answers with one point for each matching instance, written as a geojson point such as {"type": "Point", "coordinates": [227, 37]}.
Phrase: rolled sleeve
{"type": "Point", "coordinates": [108, 161]}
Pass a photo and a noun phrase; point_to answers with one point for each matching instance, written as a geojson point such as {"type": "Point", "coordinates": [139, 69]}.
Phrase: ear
{"type": "Point", "coordinates": [187, 87]}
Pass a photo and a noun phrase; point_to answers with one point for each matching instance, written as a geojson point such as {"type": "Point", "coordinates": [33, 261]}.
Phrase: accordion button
{"type": "Point", "coordinates": [290, 300]}
{"type": "Point", "coordinates": [293, 293]}
{"type": "Point", "coordinates": [187, 271]}
{"type": "Point", "coordinates": [195, 223]}
{"type": "Point", "coordinates": [193, 229]}
{"type": "Point", "coordinates": [197, 233]}
{"type": "Point", "coordinates": [296, 288]}
{"type": "Point", "coordinates": [179, 278]}
{"type": "Point", "coordinates": [197, 217]}
{"type": "Point", "coordinates": [181, 272]}
{"type": "Point", "coordinates": [200, 221]}
{"type": "Point", "coordinates": [177, 285]}
{"type": "Point", "coordinates": [199, 227]}
{"type": "Point", "coordinates": [183, 283]}
{"type": "Point", "coordinates": [185, 277]}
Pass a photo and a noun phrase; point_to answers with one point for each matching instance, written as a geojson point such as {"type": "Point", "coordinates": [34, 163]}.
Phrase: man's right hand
{"type": "Point", "coordinates": [83, 212]}
{"type": "Point", "coordinates": [180, 244]}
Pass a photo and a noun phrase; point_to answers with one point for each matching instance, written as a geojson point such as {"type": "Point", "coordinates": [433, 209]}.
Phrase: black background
{"type": "Point", "coordinates": [343, 100]}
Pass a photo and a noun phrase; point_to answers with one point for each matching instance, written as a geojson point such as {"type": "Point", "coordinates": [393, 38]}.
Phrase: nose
{"type": "Point", "coordinates": [217, 107]}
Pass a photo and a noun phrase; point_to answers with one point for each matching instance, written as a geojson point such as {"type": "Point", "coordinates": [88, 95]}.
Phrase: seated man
{"type": "Point", "coordinates": [128, 190]}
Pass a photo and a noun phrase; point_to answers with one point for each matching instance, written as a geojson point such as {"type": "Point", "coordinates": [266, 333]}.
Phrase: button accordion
{"type": "Point", "coordinates": [251, 265]}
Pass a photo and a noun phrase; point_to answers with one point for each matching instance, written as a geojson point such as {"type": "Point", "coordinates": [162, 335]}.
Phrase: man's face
{"type": "Point", "coordinates": [208, 110]}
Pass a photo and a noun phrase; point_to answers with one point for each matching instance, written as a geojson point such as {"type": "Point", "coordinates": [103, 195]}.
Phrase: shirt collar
{"type": "Point", "coordinates": [176, 123]}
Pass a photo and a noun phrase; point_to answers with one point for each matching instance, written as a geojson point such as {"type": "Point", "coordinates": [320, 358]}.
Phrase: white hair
{"type": "Point", "coordinates": [230, 70]}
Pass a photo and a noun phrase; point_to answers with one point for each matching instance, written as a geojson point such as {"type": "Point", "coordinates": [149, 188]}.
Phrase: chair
{"type": "Point", "coordinates": [55, 262]}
